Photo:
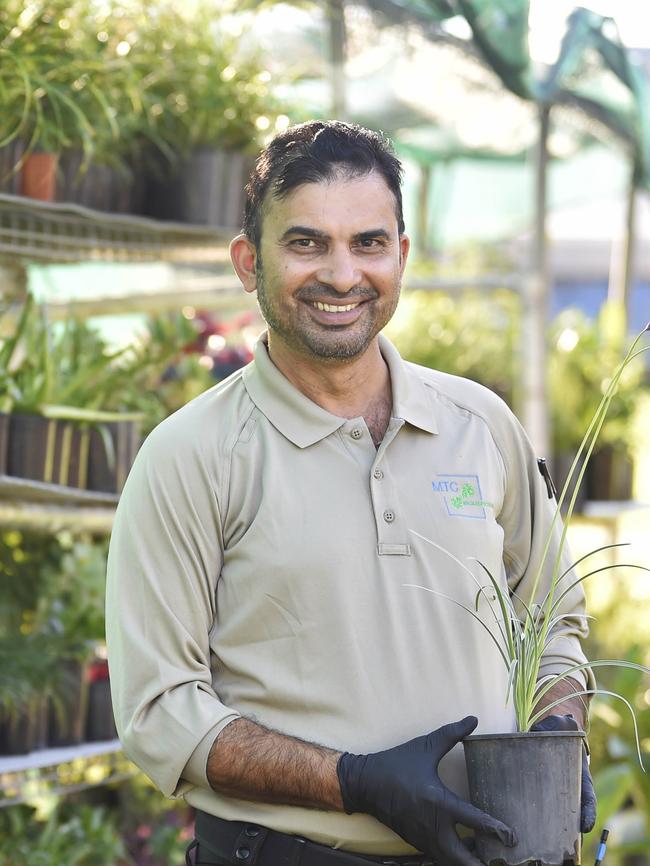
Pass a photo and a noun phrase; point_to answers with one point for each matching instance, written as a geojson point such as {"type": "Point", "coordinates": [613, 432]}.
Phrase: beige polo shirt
{"type": "Point", "coordinates": [263, 560]}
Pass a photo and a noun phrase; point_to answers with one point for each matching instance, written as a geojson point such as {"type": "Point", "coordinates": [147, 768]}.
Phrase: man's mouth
{"type": "Point", "coordinates": [334, 308]}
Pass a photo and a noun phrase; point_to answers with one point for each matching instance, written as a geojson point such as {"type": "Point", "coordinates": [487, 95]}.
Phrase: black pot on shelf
{"type": "Point", "coordinates": [110, 462]}
{"type": "Point", "coordinates": [560, 468]}
{"type": "Point", "coordinates": [4, 441]}
{"type": "Point", "coordinates": [47, 449]}
{"type": "Point", "coordinates": [100, 724]}
{"type": "Point", "coordinates": [609, 476]}
{"type": "Point", "coordinates": [96, 186]}
{"type": "Point", "coordinates": [23, 730]}
{"type": "Point", "coordinates": [67, 713]}
{"type": "Point", "coordinates": [10, 156]}
{"type": "Point", "coordinates": [205, 188]}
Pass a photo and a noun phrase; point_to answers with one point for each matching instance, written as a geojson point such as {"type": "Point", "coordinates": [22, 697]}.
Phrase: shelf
{"type": "Point", "coordinates": [48, 772]}
{"type": "Point", "coordinates": [35, 505]}
{"type": "Point", "coordinates": [53, 757]}
{"type": "Point", "coordinates": [53, 232]}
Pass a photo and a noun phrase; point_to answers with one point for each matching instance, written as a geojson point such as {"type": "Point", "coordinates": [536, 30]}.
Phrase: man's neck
{"type": "Point", "coordinates": [348, 389]}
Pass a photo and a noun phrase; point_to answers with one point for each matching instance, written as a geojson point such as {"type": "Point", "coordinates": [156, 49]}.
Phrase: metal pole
{"type": "Point", "coordinates": [535, 308]}
{"type": "Point", "coordinates": [621, 270]}
{"type": "Point", "coordinates": [424, 244]}
{"type": "Point", "coordinates": [337, 40]}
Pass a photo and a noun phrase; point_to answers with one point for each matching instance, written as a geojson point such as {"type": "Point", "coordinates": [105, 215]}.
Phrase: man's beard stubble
{"type": "Point", "coordinates": [313, 341]}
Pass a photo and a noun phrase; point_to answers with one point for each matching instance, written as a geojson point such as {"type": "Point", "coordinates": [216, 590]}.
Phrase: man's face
{"type": "Point", "coordinates": [330, 265]}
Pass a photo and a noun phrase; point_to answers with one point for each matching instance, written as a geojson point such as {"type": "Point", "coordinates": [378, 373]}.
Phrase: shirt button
{"type": "Point", "coordinates": [378, 474]}
{"type": "Point", "coordinates": [242, 853]}
{"type": "Point", "coordinates": [252, 831]}
{"type": "Point", "coordinates": [389, 516]}
{"type": "Point", "coordinates": [356, 433]}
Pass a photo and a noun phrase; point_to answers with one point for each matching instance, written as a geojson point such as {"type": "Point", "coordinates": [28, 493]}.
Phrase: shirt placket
{"type": "Point", "coordinates": [390, 520]}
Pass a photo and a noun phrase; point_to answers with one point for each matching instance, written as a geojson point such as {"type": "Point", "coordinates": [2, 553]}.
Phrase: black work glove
{"type": "Point", "coordinates": [401, 788]}
{"type": "Point", "coordinates": [587, 796]}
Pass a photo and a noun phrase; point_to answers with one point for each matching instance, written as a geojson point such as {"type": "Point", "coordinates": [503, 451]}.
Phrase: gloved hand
{"type": "Point", "coordinates": [588, 797]}
{"type": "Point", "coordinates": [401, 788]}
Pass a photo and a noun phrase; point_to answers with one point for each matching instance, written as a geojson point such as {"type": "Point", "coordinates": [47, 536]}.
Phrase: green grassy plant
{"type": "Point", "coordinates": [522, 640]}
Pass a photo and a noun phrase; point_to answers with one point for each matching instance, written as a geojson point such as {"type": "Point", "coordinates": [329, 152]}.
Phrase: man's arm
{"type": "Point", "coordinates": [576, 705]}
{"type": "Point", "coordinates": [252, 762]}
{"type": "Point", "coordinates": [399, 786]}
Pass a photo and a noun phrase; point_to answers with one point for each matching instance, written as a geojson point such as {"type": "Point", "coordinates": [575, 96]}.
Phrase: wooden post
{"type": "Point", "coordinates": [424, 244]}
{"type": "Point", "coordinates": [337, 40]}
{"type": "Point", "coordinates": [535, 308]}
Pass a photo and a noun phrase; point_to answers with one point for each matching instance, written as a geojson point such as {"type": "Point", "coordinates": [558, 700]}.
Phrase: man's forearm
{"type": "Point", "coordinates": [577, 705]}
{"type": "Point", "coordinates": [254, 763]}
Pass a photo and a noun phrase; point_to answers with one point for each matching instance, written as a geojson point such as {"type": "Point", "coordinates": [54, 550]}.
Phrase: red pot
{"type": "Point", "coordinates": [38, 176]}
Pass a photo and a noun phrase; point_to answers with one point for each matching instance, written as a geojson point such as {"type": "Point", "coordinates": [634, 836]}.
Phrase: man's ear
{"type": "Point", "coordinates": [244, 259]}
{"type": "Point", "coordinates": [404, 246]}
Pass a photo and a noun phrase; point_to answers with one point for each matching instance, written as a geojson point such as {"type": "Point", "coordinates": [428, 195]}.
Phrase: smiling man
{"type": "Point", "coordinates": [270, 660]}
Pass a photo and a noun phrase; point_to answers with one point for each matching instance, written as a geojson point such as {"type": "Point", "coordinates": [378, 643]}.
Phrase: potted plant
{"type": "Point", "coordinates": [53, 84]}
{"type": "Point", "coordinates": [71, 606]}
{"type": "Point", "coordinates": [583, 353]}
{"type": "Point", "coordinates": [209, 100]}
{"type": "Point", "coordinates": [470, 334]}
{"type": "Point", "coordinates": [511, 775]}
{"type": "Point", "coordinates": [53, 387]}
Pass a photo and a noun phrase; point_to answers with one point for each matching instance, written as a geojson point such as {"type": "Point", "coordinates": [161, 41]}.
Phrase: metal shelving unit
{"type": "Point", "coordinates": [50, 772]}
{"type": "Point", "coordinates": [26, 504]}
{"type": "Point", "coordinates": [43, 233]}
{"type": "Point", "coordinates": [54, 232]}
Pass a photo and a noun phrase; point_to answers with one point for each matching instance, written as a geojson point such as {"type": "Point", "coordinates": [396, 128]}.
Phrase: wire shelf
{"type": "Point", "coordinates": [47, 772]}
{"type": "Point", "coordinates": [53, 232]}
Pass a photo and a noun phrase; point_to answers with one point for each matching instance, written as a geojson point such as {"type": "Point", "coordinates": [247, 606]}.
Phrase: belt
{"type": "Point", "coordinates": [252, 845]}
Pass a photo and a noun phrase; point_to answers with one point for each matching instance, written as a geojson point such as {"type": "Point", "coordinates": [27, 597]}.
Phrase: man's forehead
{"type": "Point", "coordinates": [352, 197]}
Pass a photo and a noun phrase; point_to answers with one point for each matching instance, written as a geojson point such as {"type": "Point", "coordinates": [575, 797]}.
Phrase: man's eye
{"type": "Point", "coordinates": [370, 243]}
{"type": "Point", "coordinates": [304, 243]}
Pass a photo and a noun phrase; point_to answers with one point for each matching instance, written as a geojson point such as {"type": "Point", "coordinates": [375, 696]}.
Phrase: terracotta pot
{"type": "Point", "coordinates": [531, 782]}
{"type": "Point", "coordinates": [38, 176]}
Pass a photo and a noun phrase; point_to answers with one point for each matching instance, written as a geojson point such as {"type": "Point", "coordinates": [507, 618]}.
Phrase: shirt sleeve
{"type": "Point", "coordinates": [532, 541]}
{"type": "Point", "coordinates": [164, 559]}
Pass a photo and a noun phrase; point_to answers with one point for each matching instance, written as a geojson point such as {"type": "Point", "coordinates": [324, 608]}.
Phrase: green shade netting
{"type": "Point", "coordinates": [591, 50]}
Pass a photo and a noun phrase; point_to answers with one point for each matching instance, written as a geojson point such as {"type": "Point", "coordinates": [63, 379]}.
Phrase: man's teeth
{"type": "Point", "coordinates": [334, 308]}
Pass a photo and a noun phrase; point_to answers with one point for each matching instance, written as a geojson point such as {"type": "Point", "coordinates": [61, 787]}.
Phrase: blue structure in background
{"type": "Point", "coordinates": [590, 296]}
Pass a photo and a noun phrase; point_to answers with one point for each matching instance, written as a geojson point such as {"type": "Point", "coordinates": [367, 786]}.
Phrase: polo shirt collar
{"type": "Point", "coordinates": [304, 422]}
{"type": "Point", "coordinates": [412, 400]}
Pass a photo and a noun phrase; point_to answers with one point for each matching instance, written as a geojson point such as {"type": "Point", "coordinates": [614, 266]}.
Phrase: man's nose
{"type": "Point", "coordinates": [340, 271]}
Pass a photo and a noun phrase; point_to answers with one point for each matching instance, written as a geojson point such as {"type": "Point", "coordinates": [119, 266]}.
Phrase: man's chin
{"type": "Point", "coordinates": [337, 346]}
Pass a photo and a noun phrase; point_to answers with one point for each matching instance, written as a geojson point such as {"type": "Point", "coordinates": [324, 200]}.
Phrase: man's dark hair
{"type": "Point", "coordinates": [314, 152]}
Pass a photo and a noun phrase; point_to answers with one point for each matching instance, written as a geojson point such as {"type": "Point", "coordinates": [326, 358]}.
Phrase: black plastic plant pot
{"type": "Point", "coordinates": [4, 441]}
{"type": "Point", "coordinates": [531, 782]}
{"type": "Point", "coordinates": [68, 713]}
{"type": "Point", "coordinates": [100, 724]}
{"type": "Point", "coordinates": [107, 472]}
{"type": "Point", "coordinates": [47, 449]}
{"type": "Point", "coordinates": [206, 188]}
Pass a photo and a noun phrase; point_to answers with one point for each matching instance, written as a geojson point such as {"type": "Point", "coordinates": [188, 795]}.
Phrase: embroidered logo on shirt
{"type": "Point", "coordinates": [462, 495]}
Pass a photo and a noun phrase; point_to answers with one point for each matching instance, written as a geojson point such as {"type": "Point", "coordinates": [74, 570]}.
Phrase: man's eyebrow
{"type": "Point", "coordinates": [308, 232]}
{"type": "Point", "coordinates": [304, 231]}
{"type": "Point", "coordinates": [372, 233]}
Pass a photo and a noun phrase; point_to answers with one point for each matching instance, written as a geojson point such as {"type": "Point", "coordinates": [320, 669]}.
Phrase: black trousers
{"type": "Point", "coordinates": [234, 843]}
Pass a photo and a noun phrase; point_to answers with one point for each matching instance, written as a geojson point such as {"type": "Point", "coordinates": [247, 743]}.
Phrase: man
{"type": "Point", "coordinates": [270, 659]}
